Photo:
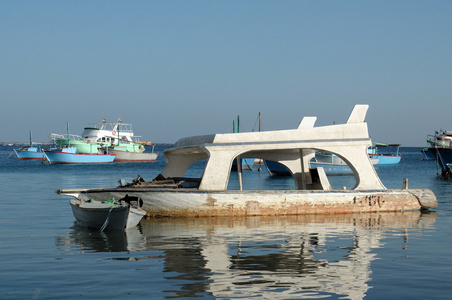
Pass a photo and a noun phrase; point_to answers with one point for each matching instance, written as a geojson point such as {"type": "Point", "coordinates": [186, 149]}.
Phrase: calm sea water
{"type": "Point", "coordinates": [45, 255]}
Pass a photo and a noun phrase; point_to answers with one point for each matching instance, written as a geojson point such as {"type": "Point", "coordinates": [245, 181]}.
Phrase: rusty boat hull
{"type": "Point", "coordinates": [196, 203]}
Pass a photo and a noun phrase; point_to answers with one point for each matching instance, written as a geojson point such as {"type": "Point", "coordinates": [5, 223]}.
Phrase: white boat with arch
{"type": "Point", "coordinates": [173, 195]}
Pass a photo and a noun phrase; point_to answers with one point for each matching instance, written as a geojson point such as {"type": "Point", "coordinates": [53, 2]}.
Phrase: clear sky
{"type": "Point", "coordinates": [181, 68]}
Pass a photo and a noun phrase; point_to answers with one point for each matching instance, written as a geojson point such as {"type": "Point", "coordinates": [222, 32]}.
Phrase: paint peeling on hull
{"type": "Point", "coordinates": [195, 203]}
{"type": "Point", "coordinates": [255, 208]}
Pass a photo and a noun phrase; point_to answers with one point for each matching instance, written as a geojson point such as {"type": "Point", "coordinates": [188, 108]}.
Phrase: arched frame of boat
{"type": "Point", "coordinates": [292, 148]}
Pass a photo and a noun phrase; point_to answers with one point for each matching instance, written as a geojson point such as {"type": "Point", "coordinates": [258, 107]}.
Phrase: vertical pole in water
{"type": "Point", "coordinates": [437, 167]}
{"type": "Point", "coordinates": [239, 172]}
{"type": "Point", "coordinates": [118, 135]}
{"type": "Point", "coordinates": [239, 160]}
{"type": "Point", "coordinates": [303, 175]}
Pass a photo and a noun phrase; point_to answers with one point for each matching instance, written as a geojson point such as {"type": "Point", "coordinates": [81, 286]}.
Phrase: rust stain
{"type": "Point", "coordinates": [210, 201]}
{"type": "Point", "coordinates": [252, 208]}
{"type": "Point", "coordinates": [365, 204]}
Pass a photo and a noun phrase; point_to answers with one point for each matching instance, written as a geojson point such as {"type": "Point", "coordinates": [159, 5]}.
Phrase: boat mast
{"type": "Point", "coordinates": [68, 139]}
{"type": "Point", "coordinates": [260, 128]}
{"type": "Point", "coordinates": [118, 134]}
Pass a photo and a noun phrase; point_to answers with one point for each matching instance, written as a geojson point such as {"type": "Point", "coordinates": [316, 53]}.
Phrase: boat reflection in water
{"type": "Point", "coordinates": [292, 257]}
{"type": "Point", "coordinates": [84, 240]}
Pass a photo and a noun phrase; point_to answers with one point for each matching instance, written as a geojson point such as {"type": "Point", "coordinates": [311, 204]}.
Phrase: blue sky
{"type": "Point", "coordinates": [180, 68]}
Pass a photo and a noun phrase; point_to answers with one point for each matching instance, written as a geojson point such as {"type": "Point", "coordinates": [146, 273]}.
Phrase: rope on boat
{"type": "Point", "coordinates": [12, 152]}
{"type": "Point", "coordinates": [106, 220]}
{"type": "Point", "coordinates": [248, 165]}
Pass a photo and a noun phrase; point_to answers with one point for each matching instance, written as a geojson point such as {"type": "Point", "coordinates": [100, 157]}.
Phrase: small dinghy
{"type": "Point", "coordinates": [108, 215]}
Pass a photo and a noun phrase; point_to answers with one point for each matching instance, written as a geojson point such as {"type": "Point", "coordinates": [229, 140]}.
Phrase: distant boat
{"type": "Point", "coordinates": [441, 139]}
{"type": "Point", "coordinates": [106, 215]}
{"type": "Point", "coordinates": [34, 152]}
{"type": "Point", "coordinates": [30, 152]}
{"type": "Point", "coordinates": [101, 135]}
{"type": "Point", "coordinates": [276, 169]}
{"type": "Point", "coordinates": [128, 156]}
{"type": "Point", "coordinates": [331, 164]}
{"type": "Point", "coordinates": [385, 158]}
{"type": "Point", "coordinates": [70, 156]}
{"type": "Point", "coordinates": [259, 162]}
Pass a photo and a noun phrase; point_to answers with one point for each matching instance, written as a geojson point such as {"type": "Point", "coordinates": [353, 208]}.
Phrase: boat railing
{"type": "Point", "coordinates": [121, 127]}
{"type": "Point", "coordinates": [121, 132]}
{"type": "Point", "coordinates": [438, 143]}
{"type": "Point", "coordinates": [55, 136]}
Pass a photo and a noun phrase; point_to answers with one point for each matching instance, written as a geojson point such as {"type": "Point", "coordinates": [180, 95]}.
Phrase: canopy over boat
{"type": "Point", "coordinates": [293, 148]}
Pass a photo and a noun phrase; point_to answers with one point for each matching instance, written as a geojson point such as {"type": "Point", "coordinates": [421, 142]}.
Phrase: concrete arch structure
{"type": "Point", "coordinates": [292, 148]}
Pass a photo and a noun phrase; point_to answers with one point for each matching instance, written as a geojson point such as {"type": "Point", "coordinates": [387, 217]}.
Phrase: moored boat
{"type": "Point", "coordinates": [331, 164]}
{"type": "Point", "coordinates": [172, 194]}
{"type": "Point", "coordinates": [276, 169]}
{"type": "Point", "coordinates": [70, 155]}
{"type": "Point", "coordinates": [128, 156]}
{"type": "Point", "coordinates": [385, 158]}
{"type": "Point", "coordinates": [106, 215]}
{"type": "Point", "coordinates": [98, 135]}
{"type": "Point", "coordinates": [330, 168]}
{"type": "Point", "coordinates": [441, 139]}
{"type": "Point", "coordinates": [33, 151]}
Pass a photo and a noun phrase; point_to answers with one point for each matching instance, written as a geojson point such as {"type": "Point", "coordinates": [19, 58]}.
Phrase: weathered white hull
{"type": "Point", "coordinates": [195, 203]}
{"type": "Point", "coordinates": [127, 156]}
{"type": "Point", "coordinates": [135, 216]}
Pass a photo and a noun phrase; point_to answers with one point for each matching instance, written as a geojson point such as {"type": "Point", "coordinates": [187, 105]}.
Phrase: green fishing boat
{"type": "Point", "coordinates": [101, 135]}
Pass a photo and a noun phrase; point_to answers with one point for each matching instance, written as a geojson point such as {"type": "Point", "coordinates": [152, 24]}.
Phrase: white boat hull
{"type": "Point", "coordinates": [195, 203]}
{"type": "Point", "coordinates": [127, 156]}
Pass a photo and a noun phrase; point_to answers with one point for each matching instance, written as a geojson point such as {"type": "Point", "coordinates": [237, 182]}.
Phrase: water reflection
{"type": "Point", "coordinates": [84, 240]}
{"type": "Point", "coordinates": [276, 257]}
